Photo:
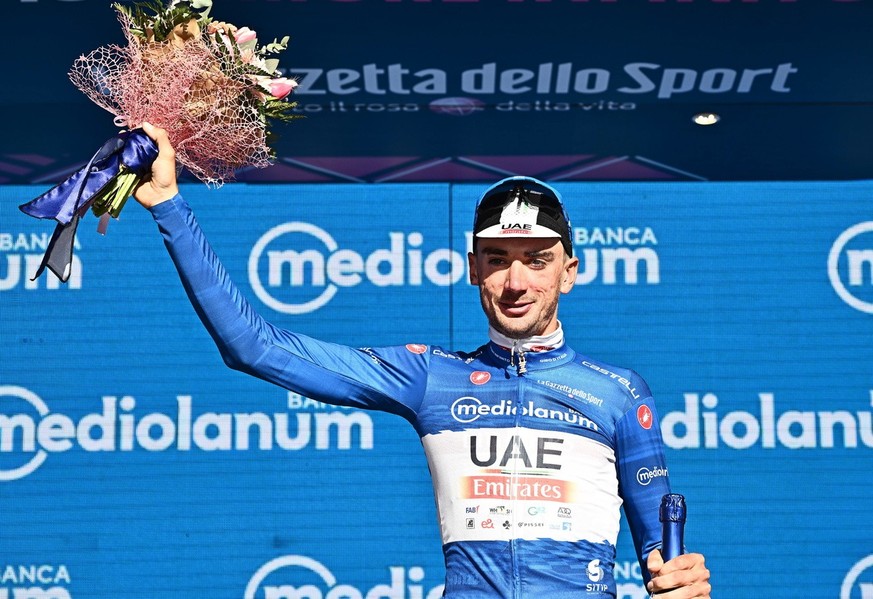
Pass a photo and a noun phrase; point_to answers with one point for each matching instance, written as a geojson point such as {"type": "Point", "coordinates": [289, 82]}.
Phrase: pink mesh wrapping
{"type": "Point", "coordinates": [190, 90]}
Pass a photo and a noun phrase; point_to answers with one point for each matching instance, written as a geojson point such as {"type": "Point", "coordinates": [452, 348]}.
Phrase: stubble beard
{"type": "Point", "coordinates": [504, 325]}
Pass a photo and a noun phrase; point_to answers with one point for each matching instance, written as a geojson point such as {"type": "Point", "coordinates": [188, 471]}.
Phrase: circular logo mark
{"type": "Point", "coordinates": [645, 475]}
{"type": "Point", "coordinates": [287, 561]}
{"type": "Point", "coordinates": [416, 348]}
{"type": "Point", "coordinates": [644, 417]}
{"type": "Point", "coordinates": [457, 106]}
{"type": "Point", "coordinates": [296, 261]}
{"type": "Point", "coordinates": [39, 405]}
{"type": "Point", "coordinates": [851, 581]}
{"type": "Point", "coordinates": [480, 377]}
{"type": "Point", "coordinates": [466, 409]}
{"type": "Point", "coordinates": [856, 261]}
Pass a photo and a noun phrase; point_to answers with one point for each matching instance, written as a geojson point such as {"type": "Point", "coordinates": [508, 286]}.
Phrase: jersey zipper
{"type": "Point", "coordinates": [520, 371]}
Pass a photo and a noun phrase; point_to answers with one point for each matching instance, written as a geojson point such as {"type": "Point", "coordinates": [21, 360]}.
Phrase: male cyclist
{"type": "Point", "coordinates": [522, 423]}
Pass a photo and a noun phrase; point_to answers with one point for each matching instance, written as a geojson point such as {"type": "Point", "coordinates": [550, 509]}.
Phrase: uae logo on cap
{"type": "Point", "coordinates": [518, 217]}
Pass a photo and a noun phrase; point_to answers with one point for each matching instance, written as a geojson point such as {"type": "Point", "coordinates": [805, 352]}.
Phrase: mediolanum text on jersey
{"type": "Point", "coordinates": [468, 409]}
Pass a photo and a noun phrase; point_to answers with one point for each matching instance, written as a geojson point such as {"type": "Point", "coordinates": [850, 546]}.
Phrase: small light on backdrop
{"type": "Point", "coordinates": [706, 118]}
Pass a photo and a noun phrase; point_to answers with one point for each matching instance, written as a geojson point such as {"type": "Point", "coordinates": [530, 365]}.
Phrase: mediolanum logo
{"type": "Point", "coordinates": [860, 579]}
{"type": "Point", "coordinates": [299, 576]}
{"type": "Point", "coordinates": [20, 257]}
{"type": "Point", "coordinates": [850, 266]}
{"type": "Point", "coordinates": [646, 475]}
{"type": "Point", "coordinates": [34, 581]}
{"type": "Point", "coordinates": [297, 267]}
{"type": "Point", "coordinates": [617, 255]}
{"type": "Point", "coordinates": [468, 409]}
{"type": "Point", "coordinates": [30, 431]}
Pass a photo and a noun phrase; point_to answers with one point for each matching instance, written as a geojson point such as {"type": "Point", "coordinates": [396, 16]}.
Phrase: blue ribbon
{"type": "Point", "coordinates": [70, 199]}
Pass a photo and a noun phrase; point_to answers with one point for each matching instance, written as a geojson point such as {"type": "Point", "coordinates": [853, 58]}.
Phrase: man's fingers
{"type": "Point", "coordinates": [696, 590]}
{"type": "Point", "coordinates": [686, 561]}
{"type": "Point", "coordinates": [160, 137]}
{"type": "Point", "coordinates": [654, 562]}
{"type": "Point", "coordinates": [687, 575]}
{"type": "Point", "coordinates": [160, 184]}
{"type": "Point", "coordinates": [153, 132]}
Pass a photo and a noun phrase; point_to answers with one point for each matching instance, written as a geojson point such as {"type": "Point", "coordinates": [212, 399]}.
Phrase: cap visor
{"type": "Point", "coordinates": [531, 232]}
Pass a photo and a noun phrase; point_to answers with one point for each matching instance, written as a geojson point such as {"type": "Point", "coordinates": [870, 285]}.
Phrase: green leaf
{"type": "Point", "coordinates": [204, 6]}
{"type": "Point", "coordinates": [271, 65]}
{"type": "Point", "coordinates": [249, 45]}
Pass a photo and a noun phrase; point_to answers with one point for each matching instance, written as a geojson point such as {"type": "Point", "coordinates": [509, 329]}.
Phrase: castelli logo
{"type": "Point", "coordinates": [416, 348]}
{"type": "Point", "coordinates": [644, 417]}
{"type": "Point", "coordinates": [480, 377]}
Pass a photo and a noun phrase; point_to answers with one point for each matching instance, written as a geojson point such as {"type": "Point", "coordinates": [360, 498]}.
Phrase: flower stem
{"type": "Point", "coordinates": [115, 195]}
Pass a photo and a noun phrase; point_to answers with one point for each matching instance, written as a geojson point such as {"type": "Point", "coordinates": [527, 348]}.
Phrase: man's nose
{"type": "Point", "coordinates": [516, 277]}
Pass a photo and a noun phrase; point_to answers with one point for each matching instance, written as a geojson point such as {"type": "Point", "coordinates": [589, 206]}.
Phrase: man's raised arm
{"type": "Point", "coordinates": [388, 379]}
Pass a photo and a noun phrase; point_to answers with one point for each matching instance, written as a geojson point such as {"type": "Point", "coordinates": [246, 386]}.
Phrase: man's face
{"type": "Point", "coordinates": [520, 281]}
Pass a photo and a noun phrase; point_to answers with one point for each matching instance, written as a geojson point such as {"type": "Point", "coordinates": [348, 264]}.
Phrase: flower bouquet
{"type": "Point", "coordinates": [208, 83]}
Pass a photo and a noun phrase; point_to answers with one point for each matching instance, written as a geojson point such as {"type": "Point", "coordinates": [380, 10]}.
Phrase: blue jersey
{"type": "Point", "coordinates": [531, 463]}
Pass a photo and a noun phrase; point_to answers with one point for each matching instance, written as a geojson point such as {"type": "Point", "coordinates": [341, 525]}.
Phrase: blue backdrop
{"type": "Point", "coordinates": [134, 464]}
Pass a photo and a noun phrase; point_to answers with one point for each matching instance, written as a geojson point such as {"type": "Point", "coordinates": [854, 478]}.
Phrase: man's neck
{"type": "Point", "coordinates": [528, 344]}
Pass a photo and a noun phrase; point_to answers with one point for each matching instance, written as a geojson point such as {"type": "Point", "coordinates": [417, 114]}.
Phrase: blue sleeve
{"type": "Point", "coordinates": [642, 473]}
{"type": "Point", "coordinates": [390, 379]}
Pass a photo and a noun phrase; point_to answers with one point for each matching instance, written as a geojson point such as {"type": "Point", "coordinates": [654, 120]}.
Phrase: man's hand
{"type": "Point", "coordinates": [684, 577]}
{"type": "Point", "coordinates": [161, 184]}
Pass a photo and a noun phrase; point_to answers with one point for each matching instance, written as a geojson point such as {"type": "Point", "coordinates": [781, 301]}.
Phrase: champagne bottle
{"type": "Point", "coordinates": [672, 516]}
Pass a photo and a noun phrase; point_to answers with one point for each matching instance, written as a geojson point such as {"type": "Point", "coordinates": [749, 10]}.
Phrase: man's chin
{"type": "Point", "coordinates": [518, 331]}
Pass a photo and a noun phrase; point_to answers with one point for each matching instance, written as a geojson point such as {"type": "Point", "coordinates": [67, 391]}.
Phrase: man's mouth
{"type": "Point", "coordinates": [515, 308]}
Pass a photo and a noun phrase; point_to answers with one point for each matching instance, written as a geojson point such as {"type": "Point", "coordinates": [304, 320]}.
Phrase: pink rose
{"type": "Point", "coordinates": [279, 87]}
{"type": "Point", "coordinates": [244, 35]}
{"type": "Point", "coordinates": [220, 27]}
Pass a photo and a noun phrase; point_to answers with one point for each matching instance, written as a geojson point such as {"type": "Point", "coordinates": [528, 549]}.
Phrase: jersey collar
{"type": "Point", "coordinates": [537, 343]}
{"type": "Point", "coordinates": [533, 353]}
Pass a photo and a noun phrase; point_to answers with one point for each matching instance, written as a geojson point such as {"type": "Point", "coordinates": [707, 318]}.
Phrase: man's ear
{"type": "Point", "coordinates": [471, 263]}
{"type": "Point", "coordinates": [568, 277]}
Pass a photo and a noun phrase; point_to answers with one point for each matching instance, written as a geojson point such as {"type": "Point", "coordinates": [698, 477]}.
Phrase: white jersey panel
{"type": "Point", "coordinates": [516, 483]}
